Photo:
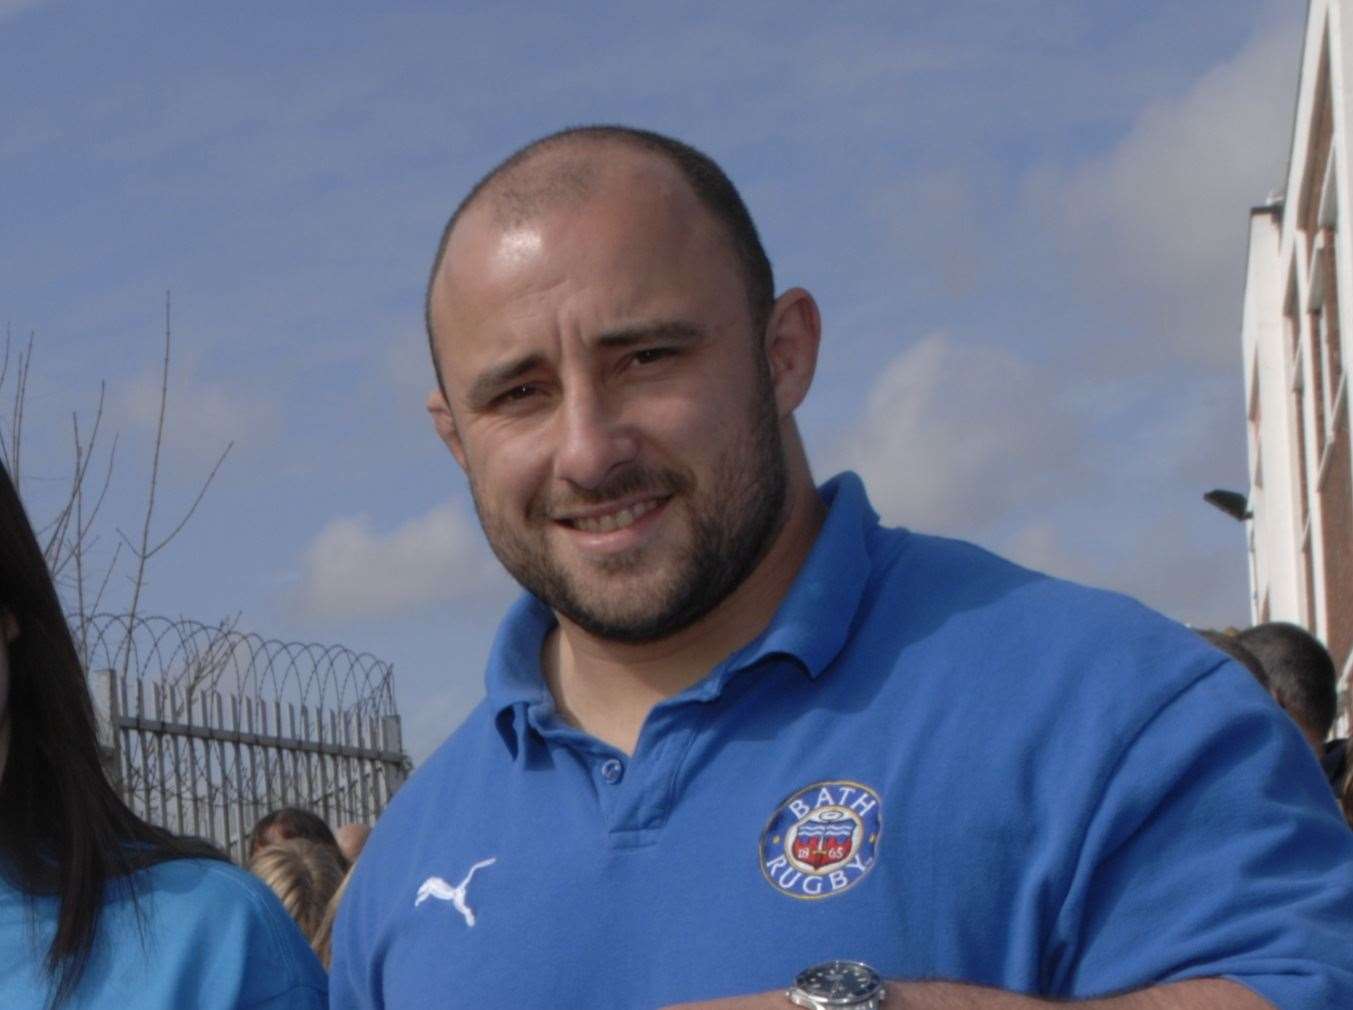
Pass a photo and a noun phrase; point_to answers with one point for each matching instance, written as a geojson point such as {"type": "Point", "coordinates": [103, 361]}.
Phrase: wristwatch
{"type": "Point", "coordinates": [838, 984]}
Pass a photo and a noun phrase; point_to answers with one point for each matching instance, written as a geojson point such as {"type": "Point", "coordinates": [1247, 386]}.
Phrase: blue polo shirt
{"type": "Point", "coordinates": [201, 934]}
{"type": "Point", "coordinates": [932, 760]}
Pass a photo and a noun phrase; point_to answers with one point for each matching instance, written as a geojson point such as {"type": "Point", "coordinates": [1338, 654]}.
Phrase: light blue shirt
{"type": "Point", "coordinates": [214, 938]}
{"type": "Point", "coordinates": [932, 760]}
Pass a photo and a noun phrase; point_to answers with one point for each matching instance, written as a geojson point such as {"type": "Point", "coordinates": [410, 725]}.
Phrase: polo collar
{"type": "Point", "coordinates": [816, 615]}
{"type": "Point", "coordinates": [811, 625]}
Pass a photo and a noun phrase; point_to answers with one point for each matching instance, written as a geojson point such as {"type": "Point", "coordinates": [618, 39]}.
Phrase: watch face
{"type": "Point", "coordinates": [840, 983]}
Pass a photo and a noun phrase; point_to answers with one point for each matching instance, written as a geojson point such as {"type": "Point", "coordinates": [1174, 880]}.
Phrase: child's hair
{"type": "Point", "coordinates": [323, 939]}
{"type": "Point", "coordinates": [304, 875]}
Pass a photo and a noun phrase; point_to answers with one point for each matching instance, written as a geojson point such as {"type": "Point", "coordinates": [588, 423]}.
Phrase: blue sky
{"type": "Point", "coordinates": [1025, 223]}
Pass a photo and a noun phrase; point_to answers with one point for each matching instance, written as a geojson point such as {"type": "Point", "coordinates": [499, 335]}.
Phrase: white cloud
{"type": "Point", "coordinates": [351, 570]}
{"type": "Point", "coordinates": [201, 417]}
{"type": "Point", "coordinates": [975, 442]}
{"type": "Point", "coordinates": [953, 436]}
{"type": "Point", "coordinates": [1156, 227]}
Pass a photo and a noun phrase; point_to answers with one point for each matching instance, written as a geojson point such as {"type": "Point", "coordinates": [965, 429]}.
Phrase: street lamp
{"type": "Point", "coordinates": [1233, 503]}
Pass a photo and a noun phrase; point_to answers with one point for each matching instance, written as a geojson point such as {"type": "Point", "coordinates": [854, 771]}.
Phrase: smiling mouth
{"type": "Point", "coordinates": [617, 520]}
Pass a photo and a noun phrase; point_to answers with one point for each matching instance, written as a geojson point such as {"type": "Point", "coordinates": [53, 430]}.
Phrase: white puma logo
{"type": "Point", "coordinates": [436, 887]}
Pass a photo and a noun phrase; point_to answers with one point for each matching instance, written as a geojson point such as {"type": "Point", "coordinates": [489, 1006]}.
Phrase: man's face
{"type": "Point", "coordinates": [612, 408]}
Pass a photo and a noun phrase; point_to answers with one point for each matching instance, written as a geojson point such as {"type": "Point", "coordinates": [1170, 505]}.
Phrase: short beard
{"type": "Point", "coordinates": [732, 529]}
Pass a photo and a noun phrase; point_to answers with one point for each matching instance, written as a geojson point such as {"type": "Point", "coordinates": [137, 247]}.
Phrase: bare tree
{"type": "Point", "coordinates": [11, 449]}
{"type": "Point", "coordinates": [70, 534]}
{"type": "Point", "coordinates": [148, 547]}
{"type": "Point", "coordinates": [266, 721]}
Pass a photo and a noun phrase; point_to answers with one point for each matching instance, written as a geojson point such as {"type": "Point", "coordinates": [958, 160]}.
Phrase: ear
{"type": "Point", "coordinates": [792, 338]}
{"type": "Point", "coordinates": [445, 424]}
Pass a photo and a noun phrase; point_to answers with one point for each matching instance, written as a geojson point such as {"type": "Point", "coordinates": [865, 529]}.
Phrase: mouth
{"type": "Point", "coordinates": [614, 518]}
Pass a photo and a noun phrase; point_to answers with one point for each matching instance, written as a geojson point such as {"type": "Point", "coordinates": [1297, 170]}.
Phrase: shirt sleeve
{"type": "Point", "coordinates": [1216, 849]}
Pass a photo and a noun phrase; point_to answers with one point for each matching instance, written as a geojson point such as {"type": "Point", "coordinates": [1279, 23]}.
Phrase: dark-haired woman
{"type": "Point", "coordinates": [98, 908]}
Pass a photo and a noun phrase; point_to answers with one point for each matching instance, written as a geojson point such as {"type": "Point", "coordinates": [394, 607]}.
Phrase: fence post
{"type": "Point", "coordinates": [392, 741]}
{"type": "Point", "coordinates": [106, 711]}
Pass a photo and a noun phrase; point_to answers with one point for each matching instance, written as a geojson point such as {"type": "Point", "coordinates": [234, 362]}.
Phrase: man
{"type": "Point", "coordinates": [727, 731]}
{"type": "Point", "coordinates": [1302, 678]}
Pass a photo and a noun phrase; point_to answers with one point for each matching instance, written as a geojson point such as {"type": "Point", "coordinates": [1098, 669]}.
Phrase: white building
{"type": "Point", "coordinates": [1296, 361]}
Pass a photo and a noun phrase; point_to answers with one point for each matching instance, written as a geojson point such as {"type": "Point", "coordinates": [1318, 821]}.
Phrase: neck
{"type": "Point", "coordinates": [608, 688]}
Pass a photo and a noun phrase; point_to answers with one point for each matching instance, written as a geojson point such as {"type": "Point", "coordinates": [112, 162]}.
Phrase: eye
{"type": "Point", "coordinates": [515, 395]}
{"type": "Point", "coordinates": [650, 355]}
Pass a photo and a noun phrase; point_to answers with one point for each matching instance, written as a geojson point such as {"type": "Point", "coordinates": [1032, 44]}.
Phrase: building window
{"type": "Point", "coordinates": [1334, 481]}
{"type": "Point", "coordinates": [1317, 153]}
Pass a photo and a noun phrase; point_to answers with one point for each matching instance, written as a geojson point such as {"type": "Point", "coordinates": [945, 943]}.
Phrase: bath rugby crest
{"type": "Point", "coordinates": [822, 840]}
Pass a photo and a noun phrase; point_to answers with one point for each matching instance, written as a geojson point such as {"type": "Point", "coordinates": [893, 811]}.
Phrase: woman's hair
{"type": "Point", "coordinates": [64, 831]}
{"type": "Point", "coordinates": [323, 940]}
{"type": "Point", "coordinates": [304, 875]}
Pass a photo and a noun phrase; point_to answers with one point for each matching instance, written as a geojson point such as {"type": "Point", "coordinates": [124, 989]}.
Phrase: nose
{"type": "Point", "coordinates": [594, 439]}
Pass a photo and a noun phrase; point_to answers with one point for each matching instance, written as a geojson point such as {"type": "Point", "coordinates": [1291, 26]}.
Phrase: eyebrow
{"type": "Point", "coordinates": [486, 386]}
{"type": "Point", "coordinates": [677, 330]}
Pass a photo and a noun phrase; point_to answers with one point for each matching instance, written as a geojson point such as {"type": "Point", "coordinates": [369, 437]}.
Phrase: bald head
{"type": "Point", "coordinates": [562, 175]}
{"type": "Point", "coordinates": [565, 170]}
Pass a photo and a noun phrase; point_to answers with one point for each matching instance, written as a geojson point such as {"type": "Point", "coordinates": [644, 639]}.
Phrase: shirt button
{"type": "Point", "coordinates": [612, 770]}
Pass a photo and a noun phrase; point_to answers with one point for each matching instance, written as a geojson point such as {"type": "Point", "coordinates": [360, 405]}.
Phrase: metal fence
{"type": "Point", "coordinates": [206, 729]}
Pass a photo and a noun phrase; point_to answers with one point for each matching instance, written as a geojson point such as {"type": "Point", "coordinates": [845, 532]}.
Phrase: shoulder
{"type": "Point", "coordinates": [186, 932]}
{"type": "Point", "coordinates": [221, 891]}
{"type": "Point", "coordinates": [216, 897]}
{"type": "Point", "coordinates": [203, 880]}
{"type": "Point", "coordinates": [954, 575]}
{"type": "Point", "coordinates": [197, 905]}
{"type": "Point", "coordinates": [1085, 668]}
{"type": "Point", "coordinates": [949, 588]}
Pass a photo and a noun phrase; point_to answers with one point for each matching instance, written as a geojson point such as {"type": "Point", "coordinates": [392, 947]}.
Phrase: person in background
{"type": "Point", "coordinates": [292, 822]}
{"type": "Point", "coordinates": [304, 875]}
{"type": "Point", "coordinates": [97, 907]}
{"type": "Point", "coordinates": [1301, 676]}
{"type": "Point", "coordinates": [1226, 641]}
{"type": "Point", "coordinates": [351, 838]}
